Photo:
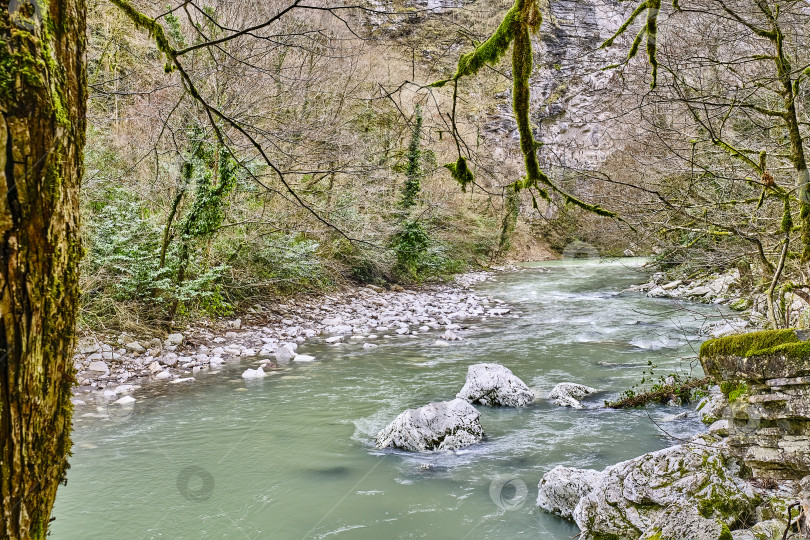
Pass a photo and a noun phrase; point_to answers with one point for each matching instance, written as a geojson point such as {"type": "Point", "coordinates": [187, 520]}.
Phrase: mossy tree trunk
{"type": "Point", "coordinates": [42, 101]}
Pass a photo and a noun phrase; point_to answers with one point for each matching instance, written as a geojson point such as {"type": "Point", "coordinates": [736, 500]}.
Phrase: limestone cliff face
{"type": "Point", "coordinates": [575, 99]}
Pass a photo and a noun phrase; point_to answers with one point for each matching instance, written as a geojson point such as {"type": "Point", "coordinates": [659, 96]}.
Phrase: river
{"type": "Point", "coordinates": [290, 456]}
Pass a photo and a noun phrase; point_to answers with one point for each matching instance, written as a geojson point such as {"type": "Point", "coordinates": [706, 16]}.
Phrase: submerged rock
{"type": "Point", "coordinates": [496, 385]}
{"type": "Point", "coordinates": [568, 394]}
{"type": "Point", "coordinates": [685, 491]}
{"type": "Point", "coordinates": [446, 425]}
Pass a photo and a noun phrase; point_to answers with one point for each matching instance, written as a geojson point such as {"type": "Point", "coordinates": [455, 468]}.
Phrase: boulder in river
{"type": "Point", "coordinates": [568, 394]}
{"type": "Point", "coordinates": [446, 425]}
{"type": "Point", "coordinates": [562, 488]}
{"type": "Point", "coordinates": [257, 373]}
{"type": "Point", "coordinates": [496, 385]}
{"type": "Point", "coordinates": [686, 491]}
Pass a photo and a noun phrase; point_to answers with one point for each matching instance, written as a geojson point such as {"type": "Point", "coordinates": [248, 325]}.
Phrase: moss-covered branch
{"type": "Point", "coordinates": [518, 24]}
{"type": "Point", "coordinates": [650, 30]}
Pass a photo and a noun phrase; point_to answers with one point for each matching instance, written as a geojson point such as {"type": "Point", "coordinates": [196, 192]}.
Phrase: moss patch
{"type": "Point", "coordinates": [751, 344]}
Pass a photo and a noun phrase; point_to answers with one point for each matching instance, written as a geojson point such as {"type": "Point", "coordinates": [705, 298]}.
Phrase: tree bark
{"type": "Point", "coordinates": [42, 134]}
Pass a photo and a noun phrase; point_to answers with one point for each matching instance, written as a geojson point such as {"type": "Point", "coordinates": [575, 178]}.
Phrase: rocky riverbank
{"type": "Point", "coordinates": [113, 368]}
{"type": "Point", "coordinates": [737, 482]}
{"type": "Point", "coordinates": [725, 289]}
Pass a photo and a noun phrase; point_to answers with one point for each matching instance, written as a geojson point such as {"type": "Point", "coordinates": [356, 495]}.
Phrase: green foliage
{"type": "Point", "coordinates": [410, 245]}
{"type": "Point", "coordinates": [208, 210]}
{"type": "Point", "coordinates": [122, 261]}
{"type": "Point", "coordinates": [174, 30]}
{"type": "Point", "coordinates": [288, 263]}
{"type": "Point", "coordinates": [787, 220]}
{"type": "Point", "coordinates": [413, 172]}
{"type": "Point", "coordinates": [672, 387]}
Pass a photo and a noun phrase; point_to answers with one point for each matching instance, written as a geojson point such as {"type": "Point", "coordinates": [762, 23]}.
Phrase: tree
{"type": "Point", "coordinates": [42, 99]}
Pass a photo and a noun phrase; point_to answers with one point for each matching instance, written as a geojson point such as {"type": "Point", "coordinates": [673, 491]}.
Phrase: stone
{"type": "Point", "coordinates": [126, 400]}
{"type": "Point", "coordinates": [99, 366]}
{"type": "Point", "coordinates": [766, 377]}
{"type": "Point", "coordinates": [568, 394]}
{"type": "Point", "coordinates": [155, 366]}
{"type": "Point", "coordinates": [89, 346]}
{"type": "Point", "coordinates": [562, 488]}
{"type": "Point", "coordinates": [446, 425]}
{"type": "Point", "coordinates": [254, 373]}
{"type": "Point", "coordinates": [303, 358]}
{"type": "Point", "coordinates": [711, 408]}
{"type": "Point", "coordinates": [174, 339]}
{"type": "Point", "coordinates": [771, 529]}
{"type": "Point", "coordinates": [335, 340]}
{"type": "Point", "coordinates": [340, 329]}
{"type": "Point", "coordinates": [450, 336]}
{"type": "Point", "coordinates": [495, 385]}
{"type": "Point", "coordinates": [719, 428]}
{"type": "Point", "coordinates": [163, 375]}
{"type": "Point", "coordinates": [685, 491]}
{"type": "Point", "coordinates": [135, 347]}
{"type": "Point", "coordinates": [170, 359]}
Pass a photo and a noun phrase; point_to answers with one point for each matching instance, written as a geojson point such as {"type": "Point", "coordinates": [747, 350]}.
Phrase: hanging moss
{"type": "Point", "coordinates": [787, 220]}
{"type": "Point", "coordinates": [460, 172]}
{"type": "Point", "coordinates": [155, 30]}
{"type": "Point", "coordinates": [491, 51]}
{"type": "Point", "coordinates": [520, 22]}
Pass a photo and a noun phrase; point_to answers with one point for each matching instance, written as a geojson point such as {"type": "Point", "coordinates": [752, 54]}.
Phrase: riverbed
{"type": "Point", "coordinates": [291, 455]}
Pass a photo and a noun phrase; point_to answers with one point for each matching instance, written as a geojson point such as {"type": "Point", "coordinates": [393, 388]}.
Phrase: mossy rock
{"type": "Point", "coordinates": [740, 304]}
{"type": "Point", "coordinates": [757, 356]}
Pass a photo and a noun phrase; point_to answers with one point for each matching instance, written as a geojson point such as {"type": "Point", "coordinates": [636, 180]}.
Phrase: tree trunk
{"type": "Point", "coordinates": [42, 100]}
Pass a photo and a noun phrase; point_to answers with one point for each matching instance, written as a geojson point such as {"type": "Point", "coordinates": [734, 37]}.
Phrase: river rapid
{"type": "Point", "coordinates": [291, 456]}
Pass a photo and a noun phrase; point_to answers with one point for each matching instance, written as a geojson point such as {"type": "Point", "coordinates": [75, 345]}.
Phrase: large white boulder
{"type": "Point", "coordinates": [446, 425]}
{"type": "Point", "coordinates": [686, 491]}
{"type": "Point", "coordinates": [562, 488]}
{"type": "Point", "coordinates": [568, 394]}
{"type": "Point", "coordinates": [494, 384]}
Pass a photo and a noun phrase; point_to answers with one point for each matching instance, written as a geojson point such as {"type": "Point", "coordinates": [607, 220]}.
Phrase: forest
{"type": "Point", "coordinates": [245, 236]}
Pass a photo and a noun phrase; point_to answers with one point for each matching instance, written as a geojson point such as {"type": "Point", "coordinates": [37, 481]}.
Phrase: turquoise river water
{"type": "Point", "coordinates": [291, 456]}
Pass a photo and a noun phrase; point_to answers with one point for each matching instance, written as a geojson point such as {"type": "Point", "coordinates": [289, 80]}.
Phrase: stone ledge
{"type": "Point", "coordinates": [766, 377]}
